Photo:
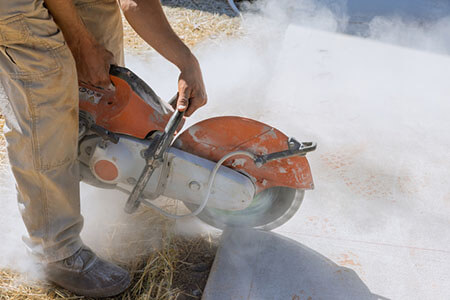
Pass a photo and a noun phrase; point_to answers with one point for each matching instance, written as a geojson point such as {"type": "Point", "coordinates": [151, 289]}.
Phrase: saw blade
{"type": "Point", "coordinates": [269, 209]}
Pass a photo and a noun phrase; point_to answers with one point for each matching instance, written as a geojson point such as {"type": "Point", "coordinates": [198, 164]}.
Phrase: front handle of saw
{"type": "Point", "coordinates": [296, 148]}
{"type": "Point", "coordinates": [153, 156]}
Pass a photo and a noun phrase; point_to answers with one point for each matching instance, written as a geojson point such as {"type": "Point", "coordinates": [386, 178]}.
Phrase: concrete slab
{"type": "Point", "coordinates": [380, 116]}
{"type": "Point", "coordinates": [382, 199]}
{"type": "Point", "coordinates": [256, 265]}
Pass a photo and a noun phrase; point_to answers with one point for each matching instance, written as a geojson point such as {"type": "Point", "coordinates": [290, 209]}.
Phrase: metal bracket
{"type": "Point", "coordinates": [105, 134]}
{"type": "Point", "coordinates": [87, 122]}
{"type": "Point", "coordinates": [295, 148]}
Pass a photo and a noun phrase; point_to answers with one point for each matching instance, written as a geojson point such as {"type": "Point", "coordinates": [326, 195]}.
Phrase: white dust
{"type": "Point", "coordinates": [377, 106]}
{"type": "Point", "coordinates": [378, 112]}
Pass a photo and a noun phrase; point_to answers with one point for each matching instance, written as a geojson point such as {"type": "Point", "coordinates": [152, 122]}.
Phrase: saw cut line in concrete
{"type": "Point", "coordinates": [259, 265]}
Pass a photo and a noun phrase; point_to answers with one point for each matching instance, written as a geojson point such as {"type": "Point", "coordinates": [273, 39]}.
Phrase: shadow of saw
{"type": "Point", "coordinates": [258, 265]}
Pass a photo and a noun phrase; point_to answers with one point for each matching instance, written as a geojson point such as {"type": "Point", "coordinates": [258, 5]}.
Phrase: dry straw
{"type": "Point", "coordinates": [194, 21]}
{"type": "Point", "coordinates": [176, 270]}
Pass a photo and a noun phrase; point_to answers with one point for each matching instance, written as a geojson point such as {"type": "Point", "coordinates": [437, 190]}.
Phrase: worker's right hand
{"type": "Point", "coordinates": [191, 89]}
{"type": "Point", "coordinates": [93, 62]}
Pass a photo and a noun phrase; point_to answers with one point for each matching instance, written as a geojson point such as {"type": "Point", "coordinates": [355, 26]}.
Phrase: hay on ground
{"type": "Point", "coordinates": [177, 270]}
{"type": "Point", "coordinates": [194, 21]}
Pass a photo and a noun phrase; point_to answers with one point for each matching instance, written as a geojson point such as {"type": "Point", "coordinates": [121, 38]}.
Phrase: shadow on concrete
{"type": "Point", "coordinates": [256, 265]}
{"type": "Point", "coordinates": [353, 16]}
{"type": "Point", "coordinates": [419, 12]}
{"type": "Point", "coordinates": [359, 9]}
{"type": "Point", "coordinates": [417, 9]}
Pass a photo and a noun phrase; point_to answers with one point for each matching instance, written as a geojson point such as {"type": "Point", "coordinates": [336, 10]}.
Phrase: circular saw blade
{"type": "Point", "coordinates": [269, 209]}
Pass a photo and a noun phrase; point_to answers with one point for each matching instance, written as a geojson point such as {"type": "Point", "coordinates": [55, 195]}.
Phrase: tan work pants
{"type": "Point", "coordinates": [39, 76]}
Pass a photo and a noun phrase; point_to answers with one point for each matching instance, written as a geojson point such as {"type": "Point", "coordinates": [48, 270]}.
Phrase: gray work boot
{"type": "Point", "coordinates": [85, 274]}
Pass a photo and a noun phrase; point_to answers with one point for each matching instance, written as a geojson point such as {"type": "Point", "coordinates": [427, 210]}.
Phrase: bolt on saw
{"type": "Point", "coordinates": [228, 171]}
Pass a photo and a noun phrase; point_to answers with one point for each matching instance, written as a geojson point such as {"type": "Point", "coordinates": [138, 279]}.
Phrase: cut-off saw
{"type": "Point", "coordinates": [228, 170]}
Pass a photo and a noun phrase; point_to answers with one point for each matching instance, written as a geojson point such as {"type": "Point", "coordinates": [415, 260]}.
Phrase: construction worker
{"type": "Point", "coordinates": [46, 47]}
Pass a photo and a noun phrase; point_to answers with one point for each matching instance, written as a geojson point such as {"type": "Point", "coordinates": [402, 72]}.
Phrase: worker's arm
{"type": "Point", "coordinates": [148, 20]}
{"type": "Point", "coordinates": [91, 58]}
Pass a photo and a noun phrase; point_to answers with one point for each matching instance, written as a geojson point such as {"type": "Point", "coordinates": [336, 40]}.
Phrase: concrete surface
{"type": "Point", "coordinates": [256, 265]}
{"type": "Point", "coordinates": [380, 115]}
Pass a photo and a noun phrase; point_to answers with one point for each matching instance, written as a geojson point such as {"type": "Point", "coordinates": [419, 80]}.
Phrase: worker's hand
{"type": "Point", "coordinates": [191, 89]}
{"type": "Point", "coordinates": [93, 62]}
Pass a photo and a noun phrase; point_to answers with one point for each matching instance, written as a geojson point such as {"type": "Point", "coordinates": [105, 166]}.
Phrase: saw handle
{"type": "Point", "coordinates": [173, 102]}
{"type": "Point", "coordinates": [295, 149]}
{"type": "Point", "coordinates": [154, 157]}
{"type": "Point", "coordinates": [168, 135]}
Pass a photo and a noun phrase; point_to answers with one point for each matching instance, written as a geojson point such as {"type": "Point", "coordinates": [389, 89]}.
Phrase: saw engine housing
{"type": "Point", "coordinates": [118, 128]}
{"type": "Point", "coordinates": [183, 176]}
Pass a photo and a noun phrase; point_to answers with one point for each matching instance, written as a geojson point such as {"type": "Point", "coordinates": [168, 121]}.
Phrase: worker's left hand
{"type": "Point", "coordinates": [191, 89]}
{"type": "Point", "coordinates": [93, 62]}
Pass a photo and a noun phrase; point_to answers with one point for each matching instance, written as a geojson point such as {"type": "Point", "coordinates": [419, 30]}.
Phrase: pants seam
{"type": "Point", "coordinates": [49, 167]}
{"type": "Point", "coordinates": [45, 206]}
{"type": "Point", "coordinates": [37, 155]}
{"type": "Point", "coordinates": [34, 121]}
{"type": "Point", "coordinates": [94, 3]}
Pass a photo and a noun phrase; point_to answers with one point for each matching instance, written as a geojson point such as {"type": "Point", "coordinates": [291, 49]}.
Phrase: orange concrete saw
{"type": "Point", "coordinates": [228, 171]}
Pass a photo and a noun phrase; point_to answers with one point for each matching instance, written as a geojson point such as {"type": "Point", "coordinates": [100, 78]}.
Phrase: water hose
{"type": "Point", "coordinates": [234, 7]}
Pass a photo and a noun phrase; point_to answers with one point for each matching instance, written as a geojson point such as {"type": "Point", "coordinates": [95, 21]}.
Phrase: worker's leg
{"type": "Point", "coordinates": [104, 21]}
{"type": "Point", "coordinates": [39, 77]}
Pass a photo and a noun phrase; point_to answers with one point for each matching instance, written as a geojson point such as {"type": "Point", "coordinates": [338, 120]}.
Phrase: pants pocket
{"type": "Point", "coordinates": [13, 30]}
{"type": "Point", "coordinates": [41, 83]}
{"type": "Point", "coordinates": [55, 104]}
{"type": "Point", "coordinates": [30, 44]}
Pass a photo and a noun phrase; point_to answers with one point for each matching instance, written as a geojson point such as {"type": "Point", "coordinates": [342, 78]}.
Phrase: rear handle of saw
{"type": "Point", "coordinates": [154, 156]}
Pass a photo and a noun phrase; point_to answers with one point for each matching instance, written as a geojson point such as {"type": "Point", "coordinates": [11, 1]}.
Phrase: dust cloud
{"type": "Point", "coordinates": [375, 104]}
{"type": "Point", "coordinates": [371, 91]}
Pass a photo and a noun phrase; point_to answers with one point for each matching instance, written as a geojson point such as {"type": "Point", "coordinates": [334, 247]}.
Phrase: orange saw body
{"type": "Point", "coordinates": [125, 111]}
{"type": "Point", "coordinates": [127, 142]}
{"type": "Point", "coordinates": [213, 138]}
